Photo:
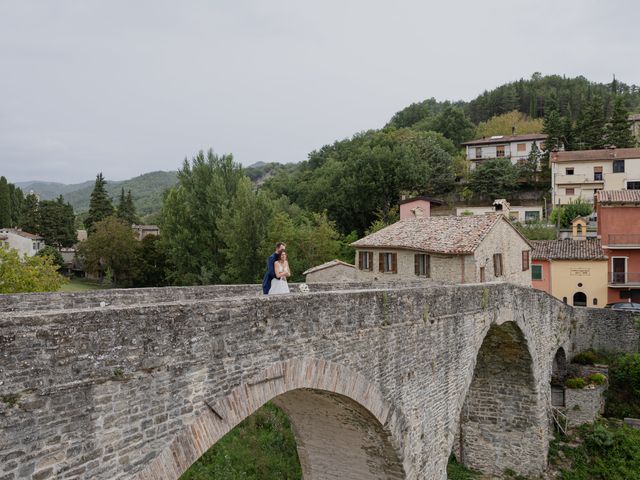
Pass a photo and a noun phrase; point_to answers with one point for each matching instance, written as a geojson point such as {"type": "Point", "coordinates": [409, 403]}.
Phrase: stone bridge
{"type": "Point", "coordinates": [379, 382]}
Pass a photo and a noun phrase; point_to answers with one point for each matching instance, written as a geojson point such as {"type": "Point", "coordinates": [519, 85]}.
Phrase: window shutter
{"type": "Point", "coordinates": [360, 255]}
{"type": "Point", "coordinates": [497, 264]}
{"type": "Point", "coordinates": [416, 263]}
{"type": "Point", "coordinates": [525, 260]}
{"type": "Point", "coordinates": [381, 262]}
{"type": "Point", "coordinates": [394, 262]}
{"type": "Point", "coordinates": [370, 260]}
{"type": "Point", "coordinates": [428, 266]}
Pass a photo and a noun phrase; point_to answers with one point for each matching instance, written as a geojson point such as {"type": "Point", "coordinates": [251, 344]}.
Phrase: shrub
{"type": "Point", "coordinates": [597, 378]}
{"type": "Point", "coordinates": [576, 383]}
{"type": "Point", "coordinates": [623, 395]}
{"type": "Point", "coordinates": [586, 358]}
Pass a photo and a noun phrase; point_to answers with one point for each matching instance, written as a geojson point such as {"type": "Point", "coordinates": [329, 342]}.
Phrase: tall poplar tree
{"type": "Point", "coordinates": [100, 206]}
{"type": "Point", "coordinates": [5, 203]}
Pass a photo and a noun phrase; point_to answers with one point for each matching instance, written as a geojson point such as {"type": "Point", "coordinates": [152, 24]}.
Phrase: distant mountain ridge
{"type": "Point", "coordinates": [147, 190]}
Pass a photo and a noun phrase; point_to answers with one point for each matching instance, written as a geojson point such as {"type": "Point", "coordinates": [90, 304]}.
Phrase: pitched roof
{"type": "Point", "coordinates": [634, 117]}
{"type": "Point", "coordinates": [443, 234]}
{"type": "Point", "coordinates": [31, 236]}
{"type": "Point", "coordinates": [506, 139]}
{"type": "Point", "coordinates": [603, 154]}
{"type": "Point", "coordinates": [618, 196]}
{"type": "Point", "coordinates": [567, 249]}
{"type": "Point", "coordinates": [329, 264]}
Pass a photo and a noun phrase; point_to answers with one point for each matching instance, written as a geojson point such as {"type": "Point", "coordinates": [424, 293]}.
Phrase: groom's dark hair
{"type": "Point", "coordinates": [279, 244]}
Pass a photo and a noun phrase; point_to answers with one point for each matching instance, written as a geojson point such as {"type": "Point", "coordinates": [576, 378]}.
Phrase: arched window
{"type": "Point", "coordinates": [579, 299]}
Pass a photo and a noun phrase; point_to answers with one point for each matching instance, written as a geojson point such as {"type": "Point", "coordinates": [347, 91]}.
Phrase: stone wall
{"type": "Point", "coordinates": [141, 387]}
{"type": "Point", "coordinates": [583, 405]}
{"type": "Point", "coordinates": [607, 330]}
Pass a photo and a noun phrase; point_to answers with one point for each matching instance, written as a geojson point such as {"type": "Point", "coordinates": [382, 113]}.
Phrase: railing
{"type": "Point", "coordinates": [626, 239]}
{"type": "Point", "coordinates": [624, 278]}
{"type": "Point", "coordinates": [559, 420]}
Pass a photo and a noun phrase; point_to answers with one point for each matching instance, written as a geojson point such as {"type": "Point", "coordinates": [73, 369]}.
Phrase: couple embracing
{"type": "Point", "coordinates": [275, 279]}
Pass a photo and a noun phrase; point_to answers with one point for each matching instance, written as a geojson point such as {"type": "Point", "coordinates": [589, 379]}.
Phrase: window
{"type": "Point", "coordinates": [497, 264]}
{"type": "Point", "coordinates": [481, 274]}
{"type": "Point", "coordinates": [618, 166]}
{"type": "Point", "coordinates": [478, 152]}
{"type": "Point", "coordinates": [500, 151]}
{"type": "Point", "coordinates": [569, 191]}
{"type": "Point", "coordinates": [597, 173]}
{"type": "Point", "coordinates": [541, 146]}
{"type": "Point", "coordinates": [35, 246]}
{"type": "Point", "coordinates": [525, 260]}
{"type": "Point", "coordinates": [536, 272]}
{"type": "Point", "coordinates": [635, 185]}
{"type": "Point", "coordinates": [423, 265]}
{"type": "Point", "coordinates": [522, 147]}
{"type": "Point", "coordinates": [531, 216]}
{"type": "Point", "coordinates": [365, 261]}
{"type": "Point", "coordinates": [388, 262]}
{"type": "Point", "coordinates": [595, 301]}
{"type": "Point", "coordinates": [568, 171]}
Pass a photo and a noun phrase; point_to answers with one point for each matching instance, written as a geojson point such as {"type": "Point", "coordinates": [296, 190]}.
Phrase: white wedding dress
{"type": "Point", "coordinates": [279, 285]}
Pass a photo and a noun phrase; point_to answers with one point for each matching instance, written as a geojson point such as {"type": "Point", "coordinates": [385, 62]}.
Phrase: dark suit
{"type": "Point", "coordinates": [270, 273]}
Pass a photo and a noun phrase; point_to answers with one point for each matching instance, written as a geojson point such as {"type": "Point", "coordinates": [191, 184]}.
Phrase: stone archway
{"type": "Point", "coordinates": [343, 426]}
{"type": "Point", "coordinates": [502, 422]}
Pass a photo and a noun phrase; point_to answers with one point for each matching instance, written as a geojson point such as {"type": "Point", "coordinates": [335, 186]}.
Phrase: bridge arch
{"type": "Point", "coordinates": [344, 428]}
{"type": "Point", "coordinates": [503, 418]}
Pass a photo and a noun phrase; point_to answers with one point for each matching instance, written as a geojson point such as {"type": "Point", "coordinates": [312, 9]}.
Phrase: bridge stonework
{"type": "Point", "coordinates": [379, 383]}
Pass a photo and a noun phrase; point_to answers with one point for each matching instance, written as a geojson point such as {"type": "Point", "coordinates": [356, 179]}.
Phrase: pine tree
{"type": "Point", "coordinates": [29, 215]}
{"type": "Point", "coordinates": [590, 128]}
{"type": "Point", "coordinates": [126, 210]}
{"type": "Point", "coordinates": [5, 203]}
{"type": "Point", "coordinates": [56, 222]}
{"type": "Point", "coordinates": [100, 206]}
{"type": "Point", "coordinates": [618, 128]}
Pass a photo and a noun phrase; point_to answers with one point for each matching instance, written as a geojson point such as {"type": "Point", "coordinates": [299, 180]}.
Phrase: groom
{"type": "Point", "coordinates": [271, 273]}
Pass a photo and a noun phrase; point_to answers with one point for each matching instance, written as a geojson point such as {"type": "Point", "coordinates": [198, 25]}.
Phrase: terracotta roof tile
{"type": "Point", "coordinates": [604, 154]}
{"type": "Point", "coordinates": [444, 234]}
{"type": "Point", "coordinates": [618, 196]}
{"type": "Point", "coordinates": [507, 139]}
{"type": "Point", "coordinates": [15, 231]}
{"type": "Point", "coordinates": [588, 249]}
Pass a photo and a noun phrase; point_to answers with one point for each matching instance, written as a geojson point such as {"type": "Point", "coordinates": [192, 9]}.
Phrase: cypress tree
{"type": "Point", "coordinates": [590, 127]}
{"type": "Point", "coordinates": [126, 210]}
{"type": "Point", "coordinates": [29, 217]}
{"type": "Point", "coordinates": [618, 128]}
{"type": "Point", "coordinates": [17, 198]}
{"type": "Point", "coordinates": [5, 203]}
{"type": "Point", "coordinates": [100, 206]}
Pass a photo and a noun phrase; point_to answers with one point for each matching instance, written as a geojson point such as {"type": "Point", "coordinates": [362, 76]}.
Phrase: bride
{"type": "Point", "coordinates": [279, 284]}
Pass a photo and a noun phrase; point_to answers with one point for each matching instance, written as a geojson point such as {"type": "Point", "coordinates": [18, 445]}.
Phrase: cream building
{"type": "Point", "coordinates": [450, 249]}
{"type": "Point", "coordinates": [580, 174]}
{"type": "Point", "coordinates": [514, 147]}
{"type": "Point", "coordinates": [572, 270]}
{"type": "Point", "coordinates": [518, 213]}
{"type": "Point", "coordinates": [331, 272]}
{"type": "Point", "coordinates": [27, 244]}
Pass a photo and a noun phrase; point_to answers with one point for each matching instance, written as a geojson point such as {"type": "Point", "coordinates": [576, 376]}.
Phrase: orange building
{"type": "Point", "coordinates": [619, 230]}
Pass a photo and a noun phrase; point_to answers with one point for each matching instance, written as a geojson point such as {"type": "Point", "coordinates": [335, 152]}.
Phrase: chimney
{"type": "Point", "coordinates": [501, 205]}
{"type": "Point", "coordinates": [417, 207]}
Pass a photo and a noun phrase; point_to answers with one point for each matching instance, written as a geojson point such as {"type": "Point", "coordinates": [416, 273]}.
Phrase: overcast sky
{"type": "Point", "coordinates": [127, 87]}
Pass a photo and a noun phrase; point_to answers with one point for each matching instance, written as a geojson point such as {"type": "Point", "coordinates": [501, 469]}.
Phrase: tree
{"type": "Point", "coordinates": [56, 222]}
{"type": "Point", "coordinates": [17, 198]}
{"type": "Point", "coordinates": [453, 123]}
{"type": "Point", "coordinates": [29, 218]}
{"type": "Point", "coordinates": [5, 204]}
{"type": "Point", "coordinates": [53, 253]}
{"type": "Point", "coordinates": [112, 249]}
{"type": "Point", "coordinates": [153, 263]}
{"type": "Point", "coordinates": [575, 208]}
{"type": "Point", "coordinates": [528, 170]}
{"type": "Point", "coordinates": [100, 206]}
{"type": "Point", "coordinates": [503, 125]}
{"type": "Point", "coordinates": [29, 274]}
{"type": "Point", "coordinates": [126, 210]}
{"type": "Point", "coordinates": [243, 228]}
{"type": "Point", "coordinates": [190, 213]}
{"type": "Point", "coordinates": [590, 127]}
{"type": "Point", "coordinates": [618, 130]}
{"type": "Point", "coordinates": [494, 178]}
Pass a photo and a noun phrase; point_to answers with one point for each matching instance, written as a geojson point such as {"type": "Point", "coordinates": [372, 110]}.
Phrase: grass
{"type": "Point", "coordinates": [81, 285]}
{"type": "Point", "coordinates": [456, 471]}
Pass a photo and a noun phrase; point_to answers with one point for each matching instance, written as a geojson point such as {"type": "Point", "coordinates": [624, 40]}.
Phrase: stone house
{"type": "Point", "coordinates": [331, 272]}
{"type": "Point", "coordinates": [142, 231]}
{"type": "Point", "coordinates": [27, 244]}
{"type": "Point", "coordinates": [519, 213]}
{"type": "Point", "coordinates": [468, 249]}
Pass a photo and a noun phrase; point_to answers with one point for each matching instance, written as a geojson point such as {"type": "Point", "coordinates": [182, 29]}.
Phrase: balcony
{"type": "Point", "coordinates": [624, 279]}
{"type": "Point", "coordinates": [624, 240]}
{"type": "Point", "coordinates": [575, 179]}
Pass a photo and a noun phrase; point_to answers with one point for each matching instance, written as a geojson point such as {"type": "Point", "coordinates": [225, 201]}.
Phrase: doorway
{"type": "Point", "coordinates": [579, 299]}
